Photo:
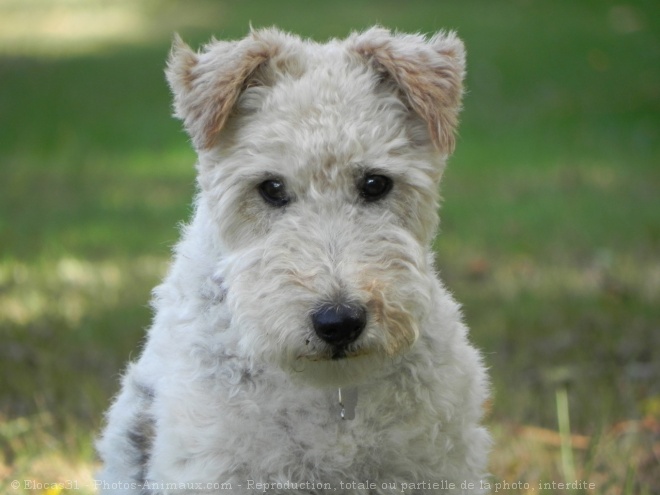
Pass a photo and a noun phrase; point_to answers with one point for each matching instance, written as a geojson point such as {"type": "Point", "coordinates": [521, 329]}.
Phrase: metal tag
{"type": "Point", "coordinates": [348, 401]}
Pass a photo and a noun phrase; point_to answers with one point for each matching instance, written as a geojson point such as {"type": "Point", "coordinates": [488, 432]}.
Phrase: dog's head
{"type": "Point", "coordinates": [319, 167]}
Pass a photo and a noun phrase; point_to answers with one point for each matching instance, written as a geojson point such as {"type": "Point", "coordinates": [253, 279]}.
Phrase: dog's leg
{"type": "Point", "coordinates": [125, 447]}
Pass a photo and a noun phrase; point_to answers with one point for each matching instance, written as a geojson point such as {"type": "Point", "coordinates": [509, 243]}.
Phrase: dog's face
{"type": "Point", "coordinates": [319, 166]}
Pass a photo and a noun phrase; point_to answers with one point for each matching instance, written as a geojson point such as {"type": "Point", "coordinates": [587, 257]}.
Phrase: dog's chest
{"type": "Point", "coordinates": [306, 433]}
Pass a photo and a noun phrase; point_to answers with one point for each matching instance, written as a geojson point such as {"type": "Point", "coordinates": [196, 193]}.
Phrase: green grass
{"type": "Point", "coordinates": [550, 226]}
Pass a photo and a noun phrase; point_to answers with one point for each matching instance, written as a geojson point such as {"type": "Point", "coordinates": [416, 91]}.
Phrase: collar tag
{"type": "Point", "coordinates": [348, 402]}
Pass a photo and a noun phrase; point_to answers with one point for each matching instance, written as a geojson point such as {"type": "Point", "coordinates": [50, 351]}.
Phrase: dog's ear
{"type": "Point", "coordinates": [429, 72]}
{"type": "Point", "coordinates": [206, 85]}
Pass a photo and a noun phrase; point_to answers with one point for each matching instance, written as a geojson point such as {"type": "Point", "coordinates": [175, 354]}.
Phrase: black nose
{"type": "Point", "coordinates": [339, 325]}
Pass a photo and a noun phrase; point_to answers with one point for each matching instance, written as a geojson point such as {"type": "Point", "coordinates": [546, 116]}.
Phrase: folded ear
{"type": "Point", "coordinates": [429, 73]}
{"type": "Point", "coordinates": [206, 85]}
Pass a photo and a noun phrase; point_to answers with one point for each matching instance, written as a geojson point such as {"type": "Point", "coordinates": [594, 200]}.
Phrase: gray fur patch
{"type": "Point", "coordinates": [141, 435]}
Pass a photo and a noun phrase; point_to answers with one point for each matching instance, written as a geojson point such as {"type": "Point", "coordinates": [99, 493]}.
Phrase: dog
{"type": "Point", "coordinates": [302, 341]}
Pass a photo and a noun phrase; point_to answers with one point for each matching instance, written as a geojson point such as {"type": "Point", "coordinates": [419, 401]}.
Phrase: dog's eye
{"type": "Point", "coordinates": [274, 192]}
{"type": "Point", "coordinates": [374, 187]}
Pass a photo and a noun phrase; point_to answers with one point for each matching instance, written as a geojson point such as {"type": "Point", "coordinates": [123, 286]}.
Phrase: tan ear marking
{"type": "Point", "coordinates": [207, 85]}
{"type": "Point", "coordinates": [180, 64]}
{"type": "Point", "coordinates": [429, 72]}
{"type": "Point", "coordinates": [228, 87]}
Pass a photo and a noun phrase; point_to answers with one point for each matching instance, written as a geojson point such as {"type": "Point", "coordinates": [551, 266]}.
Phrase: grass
{"type": "Point", "coordinates": [550, 226]}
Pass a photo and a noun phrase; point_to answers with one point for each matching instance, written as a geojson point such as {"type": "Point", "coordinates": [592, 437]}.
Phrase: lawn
{"type": "Point", "coordinates": [550, 231]}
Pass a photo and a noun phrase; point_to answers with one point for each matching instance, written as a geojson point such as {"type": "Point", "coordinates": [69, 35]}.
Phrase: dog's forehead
{"type": "Point", "coordinates": [332, 112]}
{"type": "Point", "coordinates": [322, 79]}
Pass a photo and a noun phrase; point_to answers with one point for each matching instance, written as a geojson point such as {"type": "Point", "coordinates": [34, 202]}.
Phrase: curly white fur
{"type": "Point", "coordinates": [234, 388]}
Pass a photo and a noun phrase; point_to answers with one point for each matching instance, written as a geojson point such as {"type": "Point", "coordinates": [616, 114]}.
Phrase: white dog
{"type": "Point", "coordinates": [302, 342]}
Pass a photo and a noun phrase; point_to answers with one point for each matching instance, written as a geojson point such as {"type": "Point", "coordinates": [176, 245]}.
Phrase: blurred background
{"type": "Point", "coordinates": [550, 226]}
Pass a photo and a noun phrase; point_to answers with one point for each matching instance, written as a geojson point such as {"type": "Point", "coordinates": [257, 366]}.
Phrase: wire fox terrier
{"type": "Point", "coordinates": [302, 341]}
